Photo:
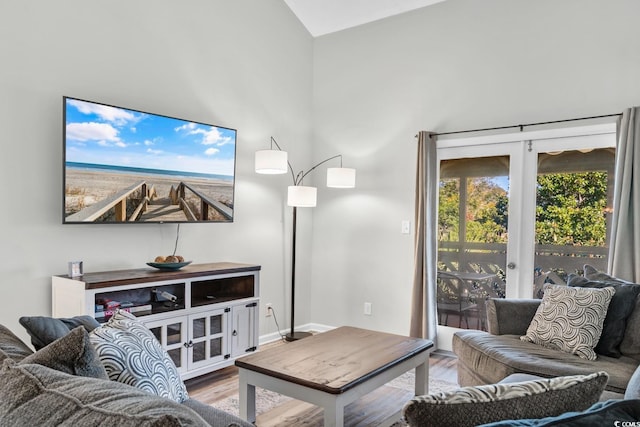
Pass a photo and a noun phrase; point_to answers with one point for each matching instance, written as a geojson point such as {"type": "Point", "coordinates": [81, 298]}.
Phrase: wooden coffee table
{"type": "Point", "coordinates": [333, 369]}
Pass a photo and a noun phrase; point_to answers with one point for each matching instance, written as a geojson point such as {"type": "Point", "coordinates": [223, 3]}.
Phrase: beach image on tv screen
{"type": "Point", "coordinates": [124, 165]}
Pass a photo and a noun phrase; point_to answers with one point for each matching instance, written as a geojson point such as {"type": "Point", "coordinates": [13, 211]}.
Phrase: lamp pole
{"type": "Point", "coordinates": [293, 335]}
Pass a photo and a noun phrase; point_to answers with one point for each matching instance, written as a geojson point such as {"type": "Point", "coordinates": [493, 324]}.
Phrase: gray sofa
{"type": "Point", "coordinates": [64, 384]}
{"type": "Point", "coordinates": [488, 357]}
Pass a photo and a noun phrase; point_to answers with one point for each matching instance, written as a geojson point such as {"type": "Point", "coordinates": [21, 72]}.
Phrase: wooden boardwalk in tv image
{"type": "Point", "coordinates": [140, 202]}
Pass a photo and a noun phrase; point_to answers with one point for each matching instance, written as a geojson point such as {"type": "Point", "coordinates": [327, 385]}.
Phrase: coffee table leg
{"type": "Point", "coordinates": [333, 416]}
{"type": "Point", "coordinates": [422, 379]}
{"type": "Point", "coordinates": [247, 395]}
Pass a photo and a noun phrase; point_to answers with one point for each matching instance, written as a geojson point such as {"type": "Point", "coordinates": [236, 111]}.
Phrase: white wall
{"type": "Point", "coordinates": [244, 64]}
{"type": "Point", "coordinates": [250, 65]}
{"type": "Point", "coordinates": [460, 64]}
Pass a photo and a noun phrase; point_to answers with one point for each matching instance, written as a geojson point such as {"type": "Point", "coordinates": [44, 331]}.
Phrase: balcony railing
{"type": "Point", "coordinates": [472, 272]}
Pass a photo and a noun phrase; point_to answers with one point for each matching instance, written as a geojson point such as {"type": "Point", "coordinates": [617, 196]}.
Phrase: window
{"type": "Point", "coordinates": [517, 211]}
{"type": "Point", "coordinates": [574, 198]}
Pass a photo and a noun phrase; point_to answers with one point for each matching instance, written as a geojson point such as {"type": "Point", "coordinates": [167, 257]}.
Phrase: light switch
{"type": "Point", "coordinates": [367, 308]}
{"type": "Point", "coordinates": [406, 227]}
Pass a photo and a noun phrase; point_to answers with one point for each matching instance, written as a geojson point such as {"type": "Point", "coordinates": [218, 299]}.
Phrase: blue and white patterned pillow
{"type": "Point", "coordinates": [131, 354]}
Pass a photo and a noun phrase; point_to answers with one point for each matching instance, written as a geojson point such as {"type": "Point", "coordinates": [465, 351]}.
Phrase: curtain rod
{"type": "Point", "coordinates": [527, 125]}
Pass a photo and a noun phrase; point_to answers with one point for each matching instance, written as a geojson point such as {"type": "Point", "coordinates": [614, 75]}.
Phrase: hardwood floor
{"type": "Point", "coordinates": [221, 384]}
{"type": "Point", "coordinates": [443, 366]}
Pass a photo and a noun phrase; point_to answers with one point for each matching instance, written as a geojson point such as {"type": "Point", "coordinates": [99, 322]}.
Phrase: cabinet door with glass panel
{"type": "Point", "coordinates": [517, 211]}
{"type": "Point", "coordinates": [172, 335]}
{"type": "Point", "coordinates": [208, 339]}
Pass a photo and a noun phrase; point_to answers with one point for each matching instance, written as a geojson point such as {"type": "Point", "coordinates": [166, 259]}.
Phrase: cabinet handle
{"type": "Point", "coordinates": [234, 333]}
{"type": "Point", "coordinates": [188, 344]}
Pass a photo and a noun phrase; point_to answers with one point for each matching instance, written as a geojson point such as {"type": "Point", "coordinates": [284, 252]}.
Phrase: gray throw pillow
{"type": "Point", "coordinates": [131, 354]}
{"type": "Point", "coordinates": [472, 406]}
{"type": "Point", "coordinates": [570, 319]}
{"type": "Point", "coordinates": [593, 273]}
{"type": "Point", "coordinates": [630, 345]}
{"type": "Point", "coordinates": [35, 395]}
{"type": "Point", "coordinates": [45, 330]}
{"type": "Point", "coordinates": [11, 346]}
{"type": "Point", "coordinates": [620, 308]}
{"type": "Point", "coordinates": [72, 354]}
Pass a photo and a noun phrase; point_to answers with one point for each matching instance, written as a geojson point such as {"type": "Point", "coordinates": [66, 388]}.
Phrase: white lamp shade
{"type": "Point", "coordinates": [302, 196]}
{"type": "Point", "coordinates": [341, 177]}
{"type": "Point", "coordinates": [271, 162]}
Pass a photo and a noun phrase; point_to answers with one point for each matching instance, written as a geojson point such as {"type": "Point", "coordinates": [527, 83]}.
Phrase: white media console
{"type": "Point", "coordinates": [204, 315]}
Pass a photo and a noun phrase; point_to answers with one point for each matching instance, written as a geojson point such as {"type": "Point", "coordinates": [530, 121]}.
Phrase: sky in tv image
{"type": "Point", "coordinates": [105, 135]}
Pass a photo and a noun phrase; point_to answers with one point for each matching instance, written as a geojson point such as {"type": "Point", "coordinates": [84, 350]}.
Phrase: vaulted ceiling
{"type": "Point", "coordinates": [327, 16]}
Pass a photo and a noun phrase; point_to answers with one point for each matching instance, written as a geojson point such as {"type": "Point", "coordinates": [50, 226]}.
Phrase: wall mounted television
{"type": "Point", "coordinates": [128, 166]}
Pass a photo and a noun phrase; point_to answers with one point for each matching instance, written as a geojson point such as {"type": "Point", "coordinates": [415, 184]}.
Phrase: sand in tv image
{"type": "Point", "coordinates": [124, 165]}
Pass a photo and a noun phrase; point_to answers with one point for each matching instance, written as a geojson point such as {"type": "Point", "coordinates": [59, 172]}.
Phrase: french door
{"type": "Point", "coordinates": [517, 211]}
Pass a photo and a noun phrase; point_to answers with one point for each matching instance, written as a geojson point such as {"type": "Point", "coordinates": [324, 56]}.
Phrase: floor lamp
{"type": "Point", "coordinates": [275, 161]}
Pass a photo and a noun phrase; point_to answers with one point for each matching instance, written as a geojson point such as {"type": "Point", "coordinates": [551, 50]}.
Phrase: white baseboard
{"type": "Point", "coordinates": [275, 336]}
{"type": "Point", "coordinates": [316, 327]}
{"type": "Point", "coordinates": [266, 339]}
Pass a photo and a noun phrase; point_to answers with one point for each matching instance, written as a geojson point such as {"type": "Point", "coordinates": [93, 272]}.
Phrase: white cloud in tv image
{"type": "Point", "coordinates": [124, 165]}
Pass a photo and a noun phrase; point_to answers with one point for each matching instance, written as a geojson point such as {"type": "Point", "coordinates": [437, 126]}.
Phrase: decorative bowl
{"type": "Point", "coordinates": [168, 265]}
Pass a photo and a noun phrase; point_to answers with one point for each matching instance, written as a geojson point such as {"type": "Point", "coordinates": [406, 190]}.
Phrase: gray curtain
{"type": "Point", "coordinates": [423, 303]}
{"type": "Point", "coordinates": [624, 250]}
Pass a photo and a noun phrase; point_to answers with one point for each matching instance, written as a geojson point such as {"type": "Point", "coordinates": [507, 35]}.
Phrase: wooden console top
{"type": "Point", "coordinates": [142, 275]}
{"type": "Point", "coordinates": [337, 360]}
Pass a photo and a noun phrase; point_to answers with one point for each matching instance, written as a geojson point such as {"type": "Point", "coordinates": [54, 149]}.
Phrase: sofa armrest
{"type": "Point", "coordinates": [510, 316]}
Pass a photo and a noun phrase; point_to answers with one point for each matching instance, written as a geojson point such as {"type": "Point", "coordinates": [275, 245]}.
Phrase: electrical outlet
{"type": "Point", "coordinates": [268, 307]}
{"type": "Point", "coordinates": [367, 308]}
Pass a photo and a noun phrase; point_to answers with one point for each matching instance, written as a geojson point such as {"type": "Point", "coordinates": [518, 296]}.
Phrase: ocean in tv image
{"type": "Point", "coordinates": [124, 165]}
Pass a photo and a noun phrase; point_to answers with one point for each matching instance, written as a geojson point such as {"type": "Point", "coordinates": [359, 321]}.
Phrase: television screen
{"type": "Point", "coordinates": [128, 166]}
